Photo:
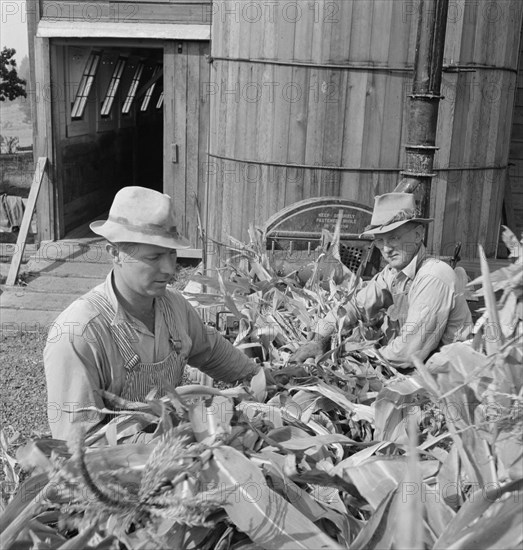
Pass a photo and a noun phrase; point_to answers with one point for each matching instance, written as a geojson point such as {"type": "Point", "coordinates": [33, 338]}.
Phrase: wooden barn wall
{"type": "Point", "coordinates": [195, 12]}
{"type": "Point", "coordinates": [514, 193]}
{"type": "Point", "coordinates": [96, 156]}
{"type": "Point", "coordinates": [474, 126]}
{"type": "Point", "coordinates": [312, 102]}
{"type": "Point", "coordinates": [186, 121]}
{"type": "Point", "coordinates": [272, 124]}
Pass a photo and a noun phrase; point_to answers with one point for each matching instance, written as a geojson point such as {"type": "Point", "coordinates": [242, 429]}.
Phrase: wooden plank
{"type": "Point", "coordinates": [206, 3]}
{"type": "Point", "coordinates": [44, 142]}
{"type": "Point", "coordinates": [315, 131]}
{"type": "Point", "coordinates": [395, 94]}
{"type": "Point", "coordinates": [508, 205]}
{"type": "Point", "coordinates": [230, 169]}
{"type": "Point", "coordinates": [33, 16]}
{"type": "Point", "coordinates": [169, 139]}
{"type": "Point", "coordinates": [242, 184]}
{"type": "Point", "coordinates": [218, 119]}
{"type": "Point", "coordinates": [180, 132]}
{"type": "Point", "coordinates": [136, 31]}
{"type": "Point", "coordinates": [39, 176]}
{"type": "Point", "coordinates": [74, 12]}
{"type": "Point", "coordinates": [449, 154]}
{"type": "Point", "coordinates": [280, 133]}
{"type": "Point", "coordinates": [59, 128]}
{"type": "Point", "coordinates": [354, 130]}
{"type": "Point", "coordinates": [204, 122]}
{"type": "Point", "coordinates": [302, 50]}
{"type": "Point", "coordinates": [297, 137]}
{"type": "Point", "coordinates": [233, 90]}
{"type": "Point", "coordinates": [335, 103]}
{"type": "Point", "coordinates": [357, 131]}
{"type": "Point", "coordinates": [192, 137]}
{"type": "Point", "coordinates": [265, 202]}
{"type": "Point", "coordinates": [337, 19]}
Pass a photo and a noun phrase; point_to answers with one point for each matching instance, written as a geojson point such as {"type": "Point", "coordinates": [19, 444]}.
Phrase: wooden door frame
{"type": "Point", "coordinates": [41, 34]}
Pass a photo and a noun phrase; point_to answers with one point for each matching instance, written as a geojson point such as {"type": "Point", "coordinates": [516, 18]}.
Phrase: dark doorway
{"type": "Point", "coordinates": [110, 120]}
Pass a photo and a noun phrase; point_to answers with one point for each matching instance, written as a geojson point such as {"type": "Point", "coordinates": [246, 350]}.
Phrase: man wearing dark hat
{"type": "Point", "coordinates": [414, 294]}
{"type": "Point", "coordinates": [132, 333]}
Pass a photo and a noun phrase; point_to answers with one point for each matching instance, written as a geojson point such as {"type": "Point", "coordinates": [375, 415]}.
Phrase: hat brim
{"type": "Point", "coordinates": [380, 229]}
{"type": "Point", "coordinates": [118, 233]}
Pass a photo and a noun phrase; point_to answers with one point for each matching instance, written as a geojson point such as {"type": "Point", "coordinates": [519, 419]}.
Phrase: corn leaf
{"type": "Point", "coordinates": [378, 476]}
{"type": "Point", "coordinates": [491, 518]}
{"type": "Point", "coordinates": [410, 498]}
{"type": "Point", "coordinates": [377, 533]}
{"type": "Point", "coordinates": [261, 513]}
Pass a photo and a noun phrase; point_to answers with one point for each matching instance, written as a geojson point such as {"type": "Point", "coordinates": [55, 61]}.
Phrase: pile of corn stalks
{"type": "Point", "coordinates": [354, 455]}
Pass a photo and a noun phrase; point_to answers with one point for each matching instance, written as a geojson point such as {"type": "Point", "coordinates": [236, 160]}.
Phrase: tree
{"type": "Point", "coordinates": [11, 85]}
{"type": "Point", "coordinates": [24, 102]}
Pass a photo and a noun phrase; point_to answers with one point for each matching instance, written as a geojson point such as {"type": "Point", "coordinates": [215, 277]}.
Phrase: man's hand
{"type": "Point", "coordinates": [316, 347]}
{"type": "Point", "coordinates": [283, 376]}
{"type": "Point", "coordinates": [310, 349]}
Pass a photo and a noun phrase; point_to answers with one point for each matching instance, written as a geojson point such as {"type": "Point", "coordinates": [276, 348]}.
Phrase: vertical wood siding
{"type": "Point", "coordinates": [308, 86]}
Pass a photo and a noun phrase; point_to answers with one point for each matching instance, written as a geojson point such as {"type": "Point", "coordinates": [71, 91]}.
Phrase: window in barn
{"type": "Point", "coordinates": [160, 101]}
{"type": "Point", "coordinates": [86, 84]}
{"type": "Point", "coordinates": [132, 89]}
{"type": "Point", "coordinates": [150, 90]}
{"type": "Point", "coordinates": [113, 86]}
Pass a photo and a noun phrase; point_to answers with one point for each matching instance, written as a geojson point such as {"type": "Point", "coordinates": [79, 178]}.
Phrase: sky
{"type": "Point", "coordinates": [13, 27]}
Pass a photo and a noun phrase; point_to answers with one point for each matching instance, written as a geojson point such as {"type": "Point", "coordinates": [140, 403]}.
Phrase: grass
{"type": "Point", "coordinates": [23, 392]}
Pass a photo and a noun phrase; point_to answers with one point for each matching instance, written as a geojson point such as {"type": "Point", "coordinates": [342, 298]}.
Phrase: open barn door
{"type": "Point", "coordinates": [186, 129]}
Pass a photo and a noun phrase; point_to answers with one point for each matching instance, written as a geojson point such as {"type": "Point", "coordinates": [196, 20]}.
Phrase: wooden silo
{"type": "Point", "coordinates": [310, 99]}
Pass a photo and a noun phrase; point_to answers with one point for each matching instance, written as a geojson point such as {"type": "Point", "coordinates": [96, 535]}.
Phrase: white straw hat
{"type": "Point", "coordinates": [141, 215]}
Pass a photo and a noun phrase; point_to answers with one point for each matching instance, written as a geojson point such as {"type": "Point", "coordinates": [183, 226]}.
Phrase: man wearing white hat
{"type": "Point", "coordinates": [132, 333]}
{"type": "Point", "coordinates": [416, 295]}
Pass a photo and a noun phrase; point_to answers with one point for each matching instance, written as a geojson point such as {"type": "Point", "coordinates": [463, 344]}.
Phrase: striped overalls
{"type": "Point", "coordinates": [141, 378]}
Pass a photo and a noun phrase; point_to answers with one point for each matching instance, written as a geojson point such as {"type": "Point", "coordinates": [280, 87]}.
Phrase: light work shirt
{"type": "Point", "coordinates": [423, 308]}
{"type": "Point", "coordinates": [82, 356]}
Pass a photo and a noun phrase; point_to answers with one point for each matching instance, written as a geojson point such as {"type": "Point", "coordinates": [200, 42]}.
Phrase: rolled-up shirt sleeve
{"type": "Point", "coordinates": [430, 303]}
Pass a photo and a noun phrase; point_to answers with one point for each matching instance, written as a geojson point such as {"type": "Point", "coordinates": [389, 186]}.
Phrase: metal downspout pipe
{"type": "Point", "coordinates": [424, 101]}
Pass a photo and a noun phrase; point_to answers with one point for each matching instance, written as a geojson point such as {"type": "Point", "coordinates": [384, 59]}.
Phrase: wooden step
{"type": "Point", "coordinates": [8, 249]}
{"type": "Point", "coordinates": [67, 285]}
{"type": "Point", "coordinates": [69, 269]}
{"type": "Point", "coordinates": [73, 251]}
